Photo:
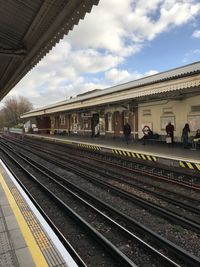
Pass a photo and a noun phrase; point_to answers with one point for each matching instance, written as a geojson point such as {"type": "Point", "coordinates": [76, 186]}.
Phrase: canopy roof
{"type": "Point", "coordinates": [28, 31]}
{"type": "Point", "coordinates": [171, 83]}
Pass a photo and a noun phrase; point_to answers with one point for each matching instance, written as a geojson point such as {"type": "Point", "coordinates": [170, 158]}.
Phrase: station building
{"type": "Point", "coordinates": [173, 95]}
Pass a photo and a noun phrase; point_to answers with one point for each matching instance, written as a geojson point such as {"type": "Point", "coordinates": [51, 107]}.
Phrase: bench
{"type": "Point", "coordinates": [196, 145]}
{"type": "Point", "coordinates": [177, 143]}
{"type": "Point", "coordinates": [155, 139]}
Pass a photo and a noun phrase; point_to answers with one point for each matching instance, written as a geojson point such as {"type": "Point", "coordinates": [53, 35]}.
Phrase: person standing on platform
{"type": "Point", "coordinates": [185, 133]}
{"type": "Point", "coordinates": [170, 131]}
{"type": "Point", "coordinates": [127, 132]}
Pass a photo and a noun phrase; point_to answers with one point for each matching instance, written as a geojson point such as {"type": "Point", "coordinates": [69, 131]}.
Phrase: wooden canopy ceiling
{"type": "Point", "coordinates": [28, 31]}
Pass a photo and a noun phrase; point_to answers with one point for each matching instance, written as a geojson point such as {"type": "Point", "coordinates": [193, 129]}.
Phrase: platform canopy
{"type": "Point", "coordinates": [28, 31]}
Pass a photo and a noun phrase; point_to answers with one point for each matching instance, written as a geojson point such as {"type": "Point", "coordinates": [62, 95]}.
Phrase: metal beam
{"type": "Point", "coordinates": [37, 34]}
{"type": "Point", "coordinates": [13, 52]}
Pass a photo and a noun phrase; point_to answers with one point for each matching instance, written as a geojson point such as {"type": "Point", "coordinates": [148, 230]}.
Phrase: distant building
{"type": "Point", "coordinates": [155, 100]}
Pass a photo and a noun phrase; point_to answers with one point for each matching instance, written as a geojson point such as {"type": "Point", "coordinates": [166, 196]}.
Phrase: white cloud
{"type": "Point", "coordinates": [90, 60]}
{"type": "Point", "coordinates": [100, 45]}
{"type": "Point", "coordinates": [102, 28]}
{"type": "Point", "coordinates": [145, 25]}
{"type": "Point", "coordinates": [114, 22]}
{"type": "Point", "coordinates": [190, 55]}
{"type": "Point", "coordinates": [150, 72]}
{"type": "Point", "coordinates": [53, 91]}
{"type": "Point", "coordinates": [116, 76]}
{"type": "Point", "coordinates": [196, 34]}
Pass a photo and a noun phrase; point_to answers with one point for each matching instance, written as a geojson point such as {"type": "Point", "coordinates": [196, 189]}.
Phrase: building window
{"type": "Point", "coordinates": [74, 119]}
{"type": "Point", "coordinates": [62, 119]}
{"type": "Point", "coordinates": [194, 122]}
{"type": "Point", "coordinates": [85, 123]}
{"type": "Point", "coordinates": [195, 109]}
{"type": "Point", "coordinates": [167, 111]}
{"type": "Point", "coordinates": [52, 121]}
{"type": "Point", "coordinates": [109, 121]}
{"type": "Point", "coordinates": [102, 125]}
{"type": "Point", "coordinates": [126, 117]}
{"type": "Point", "coordinates": [146, 112]}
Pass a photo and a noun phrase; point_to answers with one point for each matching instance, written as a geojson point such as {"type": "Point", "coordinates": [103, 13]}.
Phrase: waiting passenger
{"type": "Point", "coordinates": [170, 131]}
{"type": "Point", "coordinates": [127, 132]}
{"type": "Point", "coordinates": [148, 134]}
{"type": "Point", "coordinates": [196, 139]}
{"type": "Point", "coordinates": [185, 133]}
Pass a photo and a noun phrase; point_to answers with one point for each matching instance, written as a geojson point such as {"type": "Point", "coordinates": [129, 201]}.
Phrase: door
{"type": "Point", "coordinates": [95, 125]}
{"type": "Point", "coordinates": [117, 123]}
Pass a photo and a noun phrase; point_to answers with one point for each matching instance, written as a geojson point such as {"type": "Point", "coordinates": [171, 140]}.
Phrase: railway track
{"type": "Point", "coordinates": [131, 175]}
{"type": "Point", "coordinates": [154, 240]}
{"type": "Point", "coordinates": [118, 241]}
{"type": "Point", "coordinates": [185, 210]}
{"type": "Point", "coordinates": [165, 174]}
{"type": "Point", "coordinates": [184, 178]}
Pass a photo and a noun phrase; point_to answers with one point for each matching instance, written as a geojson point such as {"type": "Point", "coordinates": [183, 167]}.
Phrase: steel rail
{"type": "Point", "coordinates": [177, 250]}
{"type": "Point", "coordinates": [148, 247]}
{"type": "Point", "coordinates": [61, 237]}
{"type": "Point", "coordinates": [172, 216]}
{"type": "Point", "coordinates": [170, 200]}
{"type": "Point", "coordinates": [118, 255]}
{"type": "Point", "coordinates": [138, 167]}
{"type": "Point", "coordinates": [137, 170]}
{"type": "Point", "coordinates": [164, 197]}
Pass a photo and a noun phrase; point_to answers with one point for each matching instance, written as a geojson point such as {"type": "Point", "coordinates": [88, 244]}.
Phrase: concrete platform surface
{"type": "Point", "coordinates": [26, 240]}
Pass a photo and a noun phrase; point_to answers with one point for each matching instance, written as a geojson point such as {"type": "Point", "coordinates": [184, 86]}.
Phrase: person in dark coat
{"type": "Point", "coordinates": [127, 132]}
{"type": "Point", "coordinates": [170, 131]}
{"type": "Point", "coordinates": [148, 134]}
{"type": "Point", "coordinates": [185, 133]}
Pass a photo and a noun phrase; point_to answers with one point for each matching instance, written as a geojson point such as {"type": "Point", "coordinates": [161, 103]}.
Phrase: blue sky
{"type": "Point", "coordinates": [119, 41]}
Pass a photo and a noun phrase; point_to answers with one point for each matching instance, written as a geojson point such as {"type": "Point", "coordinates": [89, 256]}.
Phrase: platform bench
{"type": "Point", "coordinates": [161, 140]}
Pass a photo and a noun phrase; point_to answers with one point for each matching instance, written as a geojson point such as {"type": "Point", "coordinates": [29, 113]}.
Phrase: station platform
{"type": "Point", "coordinates": [25, 237]}
{"type": "Point", "coordinates": [175, 156]}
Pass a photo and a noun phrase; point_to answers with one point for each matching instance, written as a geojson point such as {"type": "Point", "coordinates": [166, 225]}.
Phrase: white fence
{"type": "Point", "coordinates": [15, 130]}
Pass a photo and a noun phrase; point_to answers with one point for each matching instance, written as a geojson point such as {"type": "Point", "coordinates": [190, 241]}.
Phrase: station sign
{"type": "Point", "coordinates": [86, 115]}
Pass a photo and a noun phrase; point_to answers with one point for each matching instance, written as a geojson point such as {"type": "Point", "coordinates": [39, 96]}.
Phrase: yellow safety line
{"type": "Point", "coordinates": [128, 154]}
{"type": "Point", "coordinates": [37, 255]}
{"type": "Point", "coordinates": [154, 158]}
{"type": "Point", "coordinates": [124, 152]}
{"type": "Point", "coordinates": [190, 166]}
{"type": "Point", "coordinates": [149, 158]}
{"type": "Point", "coordinates": [133, 154]}
{"type": "Point", "coordinates": [181, 164]}
{"type": "Point", "coordinates": [138, 155]}
{"type": "Point", "coordinates": [198, 166]}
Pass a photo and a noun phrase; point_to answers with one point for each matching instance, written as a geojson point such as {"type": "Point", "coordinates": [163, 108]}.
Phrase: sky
{"type": "Point", "coordinates": [119, 41]}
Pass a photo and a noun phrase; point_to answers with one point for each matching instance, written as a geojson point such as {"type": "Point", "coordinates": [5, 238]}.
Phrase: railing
{"type": "Point", "coordinates": [15, 130]}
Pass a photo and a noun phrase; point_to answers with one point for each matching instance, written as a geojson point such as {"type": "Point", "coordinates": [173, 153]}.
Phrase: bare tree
{"type": "Point", "coordinates": [2, 119]}
{"type": "Point", "coordinates": [13, 108]}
